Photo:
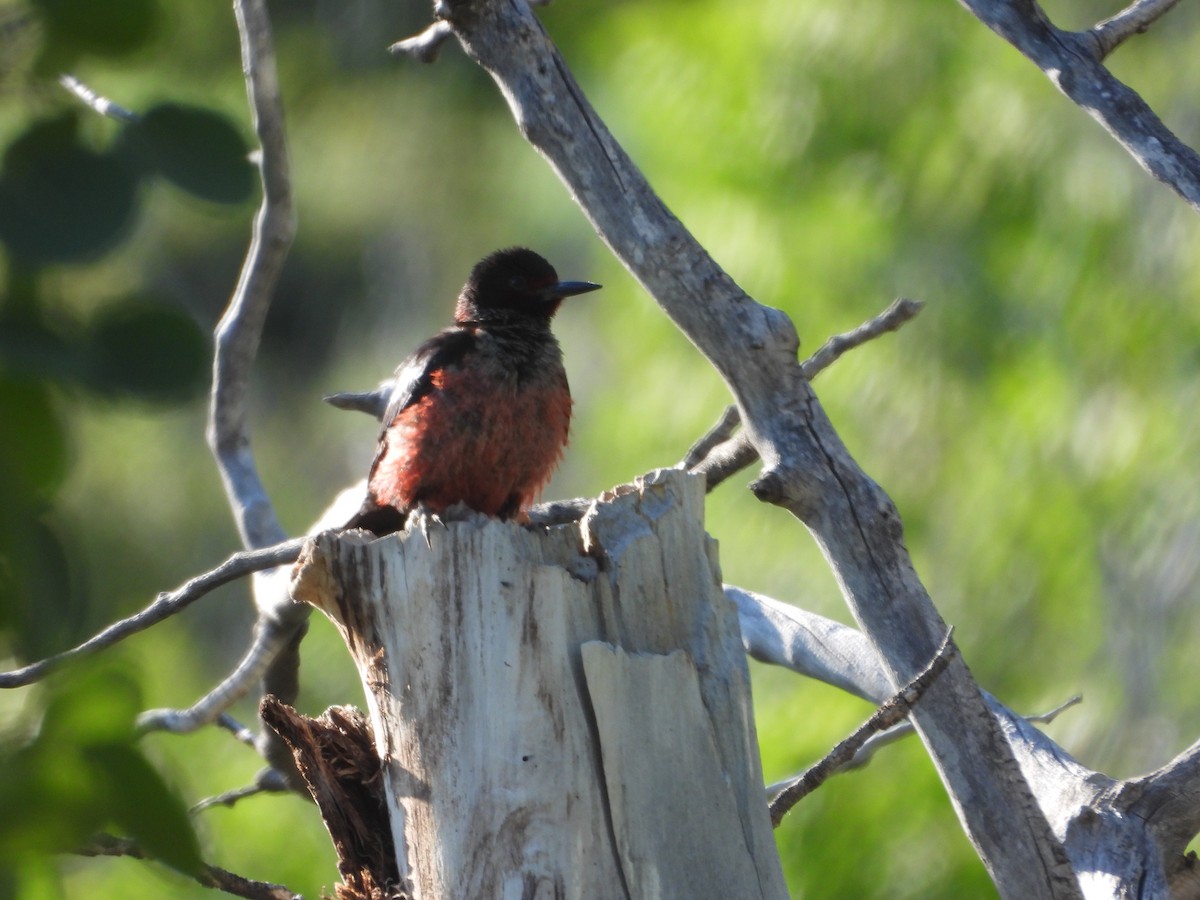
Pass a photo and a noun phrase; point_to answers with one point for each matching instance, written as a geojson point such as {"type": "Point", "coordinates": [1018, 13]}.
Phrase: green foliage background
{"type": "Point", "coordinates": [1035, 424]}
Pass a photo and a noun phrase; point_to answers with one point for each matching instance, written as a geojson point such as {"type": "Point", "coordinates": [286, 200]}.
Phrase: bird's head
{"type": "Point", "coordinates": [515, 284]}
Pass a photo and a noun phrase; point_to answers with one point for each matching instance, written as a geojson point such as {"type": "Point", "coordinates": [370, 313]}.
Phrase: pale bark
{"type": "Point", "coordinates": [1125, 837]}
{"type": "Point", "coordinates": [807, 470]}
{"type": "Point", "coordinates": [563, 711]}
{"type": "Point", "coordinates": [1074, 62]}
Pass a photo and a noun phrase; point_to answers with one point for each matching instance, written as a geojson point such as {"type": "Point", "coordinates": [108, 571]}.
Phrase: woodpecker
{"type": "Point", "coordinates": [479, 413]}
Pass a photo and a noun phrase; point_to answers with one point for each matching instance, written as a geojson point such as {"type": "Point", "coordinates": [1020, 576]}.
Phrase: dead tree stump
{"type": "Point", "coordinates": [560, 712]}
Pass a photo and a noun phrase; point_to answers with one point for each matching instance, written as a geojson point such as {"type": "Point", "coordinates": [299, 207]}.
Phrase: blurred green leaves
{"type": "Point", "coordinates": [73, 188]}
{"type": "Point", "coordinates": [197, 150]}
{"type": "Point", "coordinates": [145, 350]}
{"type": "Point", "coordinates": [1032, 425]}
{"type": "Point", "coordinates": [81, 773]}
{"type": "Point", "coordinates": [38, 461]}
{"type": "Point", "coordinates": [61, 201]}
{"type": "Point", "coordinates": [76, 28]}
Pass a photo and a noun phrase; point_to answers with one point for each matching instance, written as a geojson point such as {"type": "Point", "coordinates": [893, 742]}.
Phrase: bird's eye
{"type": "Point", "coordinates": [517, 282]}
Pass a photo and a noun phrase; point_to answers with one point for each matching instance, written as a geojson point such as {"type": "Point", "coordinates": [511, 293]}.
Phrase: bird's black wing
{"type": "Point", "coordinates": [413, 380]}
{"type": "Point", "coordinates": [414, 376]}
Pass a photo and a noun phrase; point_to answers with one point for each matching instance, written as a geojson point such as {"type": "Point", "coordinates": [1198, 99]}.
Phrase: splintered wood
{"type": "Point", "coordinates": [560, 712]}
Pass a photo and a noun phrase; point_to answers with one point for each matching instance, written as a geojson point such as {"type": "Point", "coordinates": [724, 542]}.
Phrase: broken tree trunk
{"type": "Point", "coordinates": [560, 712]}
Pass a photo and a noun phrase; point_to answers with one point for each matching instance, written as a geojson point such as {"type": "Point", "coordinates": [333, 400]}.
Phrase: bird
{"type": "Point", "coordinates": [478, 414]}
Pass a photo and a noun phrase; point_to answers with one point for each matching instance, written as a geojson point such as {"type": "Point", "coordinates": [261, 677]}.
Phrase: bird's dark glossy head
{"type": "Point", "coordinates": [514, 285]}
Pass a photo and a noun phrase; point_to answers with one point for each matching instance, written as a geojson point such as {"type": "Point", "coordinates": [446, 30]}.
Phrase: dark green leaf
{"type": "Point", "coordinates": [195, 149]}
{"type": "Point", "coordinates": [79, 27]}
{"type": "Point", "coordinates": [61, 795]}
{"type": "Point", "coordinates": [60, 201]}
{"type": "Point", "coordinates": [154, 352]}
{"type": "Point", "coordinates": [144, 807]}
{"type": "Point", "coordinates": [38, 597]}
{"type": "Point", "coordinates": [33, 456]}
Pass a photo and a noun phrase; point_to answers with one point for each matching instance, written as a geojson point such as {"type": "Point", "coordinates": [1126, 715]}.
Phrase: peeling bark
{"type": "Point", "coordinates": [561, 712]}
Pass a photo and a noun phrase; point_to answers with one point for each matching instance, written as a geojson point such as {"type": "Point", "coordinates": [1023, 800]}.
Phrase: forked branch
{"type": "Point", "coordinates": [890, 713]}
{"type": "Point", "coordinates": [1074, 62]}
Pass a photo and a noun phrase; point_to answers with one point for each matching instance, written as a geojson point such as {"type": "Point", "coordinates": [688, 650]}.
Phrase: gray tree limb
{"type": "Point", "coordinates": [163, 607]}
{"type": "Point", "coordinates": [1074, 62]}
{"type": "Point", "coordinates": [1134, 19]}
{"type": "Point", "coordinates": [1125, 838]}
{"type": "Point", "coordinates": [807, 470]}
{"type": "Point", "coordinates": [240, 329]}
{"type": "Point", "coordinates": [274, 653]}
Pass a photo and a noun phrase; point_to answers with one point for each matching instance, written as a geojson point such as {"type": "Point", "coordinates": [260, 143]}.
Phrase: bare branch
{"type": "Point", "coordinates": [239, 331]}
{"type": "Point", "coordinates": [165, 606]}
{"type": "Point", "coordinates": [1074, 63]}
{"type": "Point", "coordinates": [212, 877]}
{"type": "Point", "coordinates": [270, 639]}
{"type": "Point", "coordinates": [784, 635]}
{"type": "Point", "coordinates": [890, 713]}
{"type": "Point", "coordinates": [94, 101]}
{"type": "Point", "coordinates": [240, 732]}
{"type": "Point", "coordinates": [726, 460]}
{"type": "Point", "coordinates": [807, 469]}
{"type": "Point", "coordinates": [273, 655]}
{"type": "Point", "coordinates": [1169, 799]}
{"type": "Point", "coordinates": [268, 781]}
{"type": "Point", "coordinates": [720, 454]}
{"type": "Point", "coordinates": [424, 47]}
{"type": "Point", "coordinates": [280, 625]}
{"type": "Point", "coordinates": [1133, 19]}
{"type": "Point", "coordinates": [891, 319]}
{"type": "Point", "coordinates": [720, 432]}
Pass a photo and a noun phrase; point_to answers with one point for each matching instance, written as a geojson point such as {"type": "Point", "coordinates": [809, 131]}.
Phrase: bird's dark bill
{"type": "Point", "coordinates": [571, 288]}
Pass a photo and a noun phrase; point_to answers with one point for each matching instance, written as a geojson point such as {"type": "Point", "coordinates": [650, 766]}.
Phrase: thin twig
{"type": "Point", "coordinates": [267, 781]}
{"type": "Point", "coordinates": [1053, 714]}
{"type": "Point", "coordinates": [163, 607]}
{"type": "Point", "coordinates": [269, 640]}
{"type": "Point", "coordinates": [719, 454]}
{"type": "Point", "coordinates": [902, 310]}
{"type": "Point", "coordinates": [720, 432]}
{"type": "Point", "coordinates": [892, 712]}
{"type": "Point", "coordinates": [239, 731]}
{"type": "Point", "coordinates": [424, 47]}
{"type": "Point", "coordinates": [94, 101]}
{"type": "Point", "coordinates": [1133, 19]}
{"type": "Point", "coordinates": [230, 798]}
{"type": "Point", "coordinates": [726, 460]}
{"type": "Point", "coordinates": [903, 729]}
{"type": "Point", "coordinates": [211, 876]}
